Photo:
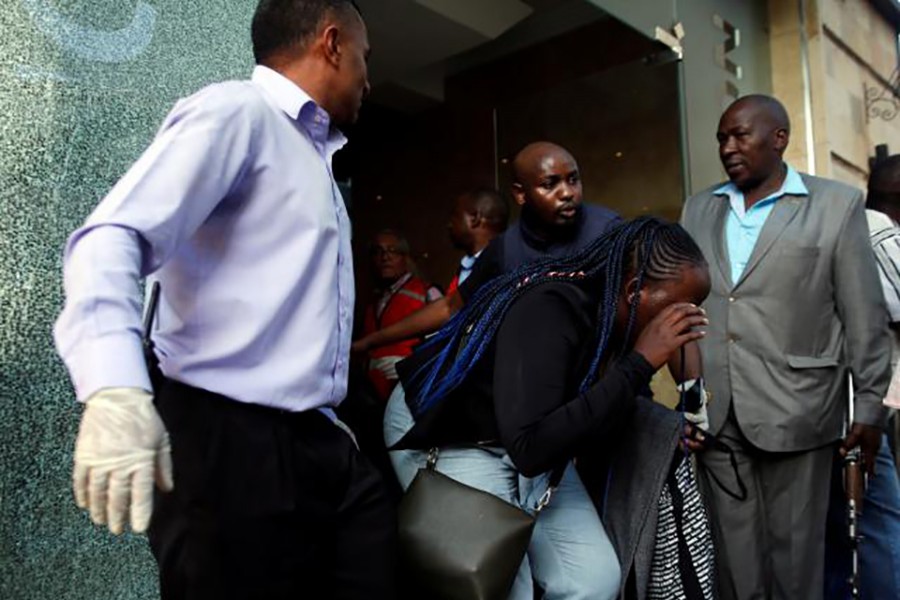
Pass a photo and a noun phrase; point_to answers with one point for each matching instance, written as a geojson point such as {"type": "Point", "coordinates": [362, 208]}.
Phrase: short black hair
{"type": "Point", "coordinates": [281, 24]}
{"type": "Point", "coordinates": [490, 206]}
{"type": "Point", "coordinates": [884, 185]}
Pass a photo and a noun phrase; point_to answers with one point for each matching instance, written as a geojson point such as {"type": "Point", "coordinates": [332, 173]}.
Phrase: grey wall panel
{"type": "Point", "coordinates": [83, 86]}
{"type": "Point", "coordinates": [709, 80]}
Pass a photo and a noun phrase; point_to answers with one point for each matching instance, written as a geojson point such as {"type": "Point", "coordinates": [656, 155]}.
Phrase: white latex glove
{"type": "Point", "coordinates": [122, 447]}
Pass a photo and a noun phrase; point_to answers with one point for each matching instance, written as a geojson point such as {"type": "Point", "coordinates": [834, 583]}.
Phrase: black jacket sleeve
{"type": "Point", "coordinates": [542, 417]}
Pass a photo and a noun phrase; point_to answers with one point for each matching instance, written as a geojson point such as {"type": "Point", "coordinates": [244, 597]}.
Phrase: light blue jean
{"type": "Point", "coordinates": [570, 556]}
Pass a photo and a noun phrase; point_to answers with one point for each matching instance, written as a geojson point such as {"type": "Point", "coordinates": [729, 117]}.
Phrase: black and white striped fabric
{"type": "Point", "coordinates": [683, 566]}
{"type": "Point", "coordinates": [886, 244]}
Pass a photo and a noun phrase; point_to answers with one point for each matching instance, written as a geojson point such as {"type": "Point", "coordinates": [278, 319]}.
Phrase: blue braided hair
{"type": "Point", "coordinates": [645, 248]}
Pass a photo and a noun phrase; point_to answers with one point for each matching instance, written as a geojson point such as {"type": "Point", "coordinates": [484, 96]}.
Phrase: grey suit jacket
{"type": "Point", "coordinates": [807, 309]}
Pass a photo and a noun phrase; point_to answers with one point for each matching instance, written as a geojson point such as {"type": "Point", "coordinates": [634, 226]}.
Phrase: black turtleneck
{"type": "Point", "coordinates": [523, 243]}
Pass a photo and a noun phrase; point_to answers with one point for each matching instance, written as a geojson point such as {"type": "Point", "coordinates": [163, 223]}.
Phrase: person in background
{"type": "Point", "coordinates": [234, 211]}
{"type": "Point", "coordinates": [554, 222]}
{"type": "Point", "coordinates": [795, 305]}
{"type": "Point", "coordinates": [879, 522]}
{"type": "Point", "coordinates": [399, 294]}
{"type": "Point", "coordinates": [477, 218]}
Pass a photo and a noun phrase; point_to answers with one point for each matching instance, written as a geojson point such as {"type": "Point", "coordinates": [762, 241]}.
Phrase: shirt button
{"type": "Point", "coordinates": [731, 298]}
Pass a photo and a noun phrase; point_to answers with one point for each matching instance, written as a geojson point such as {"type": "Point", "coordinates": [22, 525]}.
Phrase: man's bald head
{"type": "Point", "coordinates": [765, 108]}
{"type": "Point", "coordinates": [753, 135]}
{"type": "Point", "coordinates": [529, 159]}
{"type": "Point", "coordinates": [547, 185]}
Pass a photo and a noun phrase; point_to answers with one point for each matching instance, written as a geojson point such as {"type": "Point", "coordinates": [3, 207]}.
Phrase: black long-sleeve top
{"type": "Point", "coordinates": [524, 394]}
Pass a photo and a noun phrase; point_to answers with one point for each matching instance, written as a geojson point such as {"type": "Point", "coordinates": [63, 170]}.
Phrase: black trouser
{"type": "Point", "coordinates": [267, 505]}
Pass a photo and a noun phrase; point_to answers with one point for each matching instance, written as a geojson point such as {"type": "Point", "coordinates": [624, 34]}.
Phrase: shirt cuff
{"type": "Point", "coordinates": [114, 360]}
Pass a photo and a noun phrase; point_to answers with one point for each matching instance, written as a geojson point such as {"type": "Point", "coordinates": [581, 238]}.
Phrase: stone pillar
{"type": "Point", "coordinates": [851, 52]}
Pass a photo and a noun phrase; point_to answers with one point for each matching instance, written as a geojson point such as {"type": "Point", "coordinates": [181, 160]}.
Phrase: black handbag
{"type": "Point", "coordinates": [461, 543]}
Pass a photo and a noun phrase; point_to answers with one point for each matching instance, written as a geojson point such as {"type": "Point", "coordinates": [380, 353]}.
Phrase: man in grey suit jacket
{"type": "Point", "coordinates": [795, 304]}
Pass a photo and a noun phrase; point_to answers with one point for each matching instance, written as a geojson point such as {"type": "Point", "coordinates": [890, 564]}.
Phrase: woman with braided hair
{"type": "Point", "coordinates": [541, 364]}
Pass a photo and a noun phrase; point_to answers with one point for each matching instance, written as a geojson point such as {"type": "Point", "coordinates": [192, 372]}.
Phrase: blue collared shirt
{"type": "Point", "coordinates": [742, 227]}
{"type": "Point", "coordinates": [234, 209]}
{"type": "Point", "coordinates": [465, 265]}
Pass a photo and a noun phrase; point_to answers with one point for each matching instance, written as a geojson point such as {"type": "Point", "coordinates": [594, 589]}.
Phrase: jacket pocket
{"type": "Point", "coordinates": [811, 362]}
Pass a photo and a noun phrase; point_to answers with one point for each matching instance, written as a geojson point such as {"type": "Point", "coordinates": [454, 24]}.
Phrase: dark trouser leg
{"type": "Point", "coordinates": [365, 537]}
{"type": "Point", "coordinates": [267, 504]}
{"type": "Point", "coordinates": [837, 548]}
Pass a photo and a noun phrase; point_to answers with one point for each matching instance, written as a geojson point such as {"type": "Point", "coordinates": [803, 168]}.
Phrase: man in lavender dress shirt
{"type": "Point", "coordinates": [234, 210]}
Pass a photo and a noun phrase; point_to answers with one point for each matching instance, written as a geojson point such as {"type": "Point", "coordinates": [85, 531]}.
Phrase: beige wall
{"type": "Point", "coordinates": [851, 47]}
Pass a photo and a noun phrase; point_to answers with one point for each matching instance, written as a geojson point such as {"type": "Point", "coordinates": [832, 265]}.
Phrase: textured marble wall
{"type": "Point", "coordinates": [83, 86]}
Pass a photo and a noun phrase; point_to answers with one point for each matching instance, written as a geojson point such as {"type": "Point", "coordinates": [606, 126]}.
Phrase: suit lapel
{"type": "Point", "coordinates": [782, 214]}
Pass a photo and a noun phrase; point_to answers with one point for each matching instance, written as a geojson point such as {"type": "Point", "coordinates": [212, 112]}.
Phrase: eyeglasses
{"type": "Point", "coordinates": [389, 252]}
